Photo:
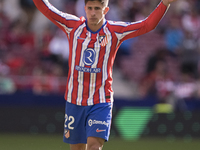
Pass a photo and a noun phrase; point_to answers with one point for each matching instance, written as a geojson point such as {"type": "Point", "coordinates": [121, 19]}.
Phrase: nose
{"type": "Point", "coordinates": [93, 12]}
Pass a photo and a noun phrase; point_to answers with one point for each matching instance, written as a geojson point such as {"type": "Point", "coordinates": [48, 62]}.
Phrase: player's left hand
{"type": "Point", "coordinates": [167, 2]}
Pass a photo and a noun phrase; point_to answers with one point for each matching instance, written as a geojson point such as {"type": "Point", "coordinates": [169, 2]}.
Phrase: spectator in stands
{"type": "Point", "coordinates": [46, 81]}
{"type": "Point", "coordinates": [13, 10]}
{"type": "Point", "coordinates": [157, 83]}
{"type": "Point", "coordinates": [160, 54]}
{"type": "Point", "coordinates": [191, 23]}
{"type": "Point", "coordinates": [43, 45]}
{"type": "Point", "coordinates": [174, 36]}
{"type": "Point", "coordinates": [58, 54]}
{"type": "Point", "coordinates": [185, 88]}
{"type": "Point", "coordinates": [7, 85]}
{"type": "Point", "coordinates": [4, 20]}
{"type": "Point", "coordinates": [125, 50]}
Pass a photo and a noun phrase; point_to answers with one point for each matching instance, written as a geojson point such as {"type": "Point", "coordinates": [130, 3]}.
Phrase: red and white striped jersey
{"type": "Point", "coordinates": [92, 54]}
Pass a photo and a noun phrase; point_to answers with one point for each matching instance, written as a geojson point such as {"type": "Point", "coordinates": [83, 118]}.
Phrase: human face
{"type": "Point", "coordinates": [95, 13]}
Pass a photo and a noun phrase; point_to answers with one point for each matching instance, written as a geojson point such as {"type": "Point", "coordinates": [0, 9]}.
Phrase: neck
{"type": "Point", "coordinates": [96, 27]}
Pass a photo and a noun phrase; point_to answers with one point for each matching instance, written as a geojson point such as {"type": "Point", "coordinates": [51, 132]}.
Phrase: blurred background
{"type": "Point", "coordinates": [156, 77]}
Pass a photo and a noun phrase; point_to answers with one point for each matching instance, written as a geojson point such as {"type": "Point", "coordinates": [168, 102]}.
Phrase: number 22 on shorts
{"type": "Point", "coordinates": [71, 121]}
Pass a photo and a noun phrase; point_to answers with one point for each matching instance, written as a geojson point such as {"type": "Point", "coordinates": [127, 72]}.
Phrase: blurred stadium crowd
{"type": "Point", "coordinates": [164, 62]}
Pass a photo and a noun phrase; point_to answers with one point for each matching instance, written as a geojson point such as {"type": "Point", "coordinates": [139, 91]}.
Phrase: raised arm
{"type": "Point", "coordinates": [141, 27]}
{"type": "Point", "coordinates": [64, 21]}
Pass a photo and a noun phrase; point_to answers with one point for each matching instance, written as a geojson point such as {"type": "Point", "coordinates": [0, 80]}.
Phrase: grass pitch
{"type": "Point", "coordinates": [54, 142]}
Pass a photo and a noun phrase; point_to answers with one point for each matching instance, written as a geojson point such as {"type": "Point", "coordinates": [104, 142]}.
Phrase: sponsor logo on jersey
{"type": "Point", "coordinates": [93, 122]}
{"type": "Point", "coordinates": [89, 57]}
{"type": "Point", "coordinates": [89, 70]}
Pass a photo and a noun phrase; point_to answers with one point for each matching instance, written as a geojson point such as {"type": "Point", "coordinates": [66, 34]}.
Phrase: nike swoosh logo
{"type": "Point", "coordinates": [100, 130]}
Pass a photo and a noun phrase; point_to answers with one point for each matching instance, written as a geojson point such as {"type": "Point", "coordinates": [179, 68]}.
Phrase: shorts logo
{"type": "Point", "coordinates": [92, 122]}
{"type": "Point", "coordinates": [67, 133]}
{"type": "Point", "coordinates": [97, 130]}
{"type": "Point", "coordinates": [89, 57]}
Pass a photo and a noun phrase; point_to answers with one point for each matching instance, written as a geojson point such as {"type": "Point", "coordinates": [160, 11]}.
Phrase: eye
{"type": "Point", "coordinates": [97, 8]}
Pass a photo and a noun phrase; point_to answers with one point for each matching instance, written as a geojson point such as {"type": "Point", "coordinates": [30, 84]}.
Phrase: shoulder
{"type": "Point", "coordinates": [82, 19]}
{"type": "Point", "coordinates": [68, 16]}
{"type": "Point", "coordinates": [119, 23]}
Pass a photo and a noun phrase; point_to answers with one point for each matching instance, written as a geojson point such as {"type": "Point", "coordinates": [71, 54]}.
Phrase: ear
{"type": "Point", "coordinates": [106, 10]}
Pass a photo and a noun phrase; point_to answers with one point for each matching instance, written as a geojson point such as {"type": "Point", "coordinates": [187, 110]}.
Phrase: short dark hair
{"type": "Point", "coordinates": [103, 2]}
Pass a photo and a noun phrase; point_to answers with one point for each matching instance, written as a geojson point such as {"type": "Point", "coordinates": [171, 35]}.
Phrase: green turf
{"type": "Point", "coordinates": [54, 142]}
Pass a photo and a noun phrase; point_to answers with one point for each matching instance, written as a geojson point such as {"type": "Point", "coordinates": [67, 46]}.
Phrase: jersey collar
{"type": "Point", "coordinates": [104, 23]}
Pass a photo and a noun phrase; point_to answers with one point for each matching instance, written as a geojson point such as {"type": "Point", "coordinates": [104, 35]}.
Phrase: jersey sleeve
{"type": "Point", "coordinates": [126, 31]}
{"type": "Point", "coordinates": [64, 21]}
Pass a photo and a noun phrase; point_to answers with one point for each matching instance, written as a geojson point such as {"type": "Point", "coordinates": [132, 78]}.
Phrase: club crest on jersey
{"type": "Point", "coordinates": [103, 40]}
{"type": "Point", "coordinates": [89, 57]}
